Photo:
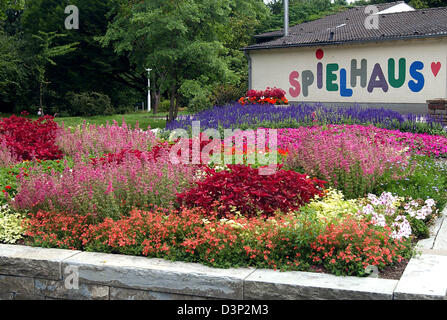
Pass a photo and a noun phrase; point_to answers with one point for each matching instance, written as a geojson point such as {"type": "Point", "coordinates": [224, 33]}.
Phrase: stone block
{"type": "Point", "coordinates": [159, 275]}
{"type": "Point", "coordinates": [441, 238]}
{"type": "Point", "coordinates": [58, 290]}
{"type": "Point", "coordinates": [32, 262]}
{"type": "Point", "coordinates": [131, 294]}
{"type": "Point", "coordinates": [427, 244]}
{"type": "Point", "coordinates": [6, 296]}
{"type": "Point", "coordinates": [16, 285]}
{"type": "Point", "coordinates": [20, 296]}
{"type": "Point", "coordinates": [275, 285]}
{"type": "Point", "coordinates": [425, 278]}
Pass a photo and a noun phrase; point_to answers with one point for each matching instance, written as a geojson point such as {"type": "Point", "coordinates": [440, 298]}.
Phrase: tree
{"type": "Point", "coordinates": [246, 19]}
{"type": "Point", "coordinates": [179, 40]}
{"type": "Point", "coordinates": [13, 71]}
{"type": "Point", "coordinates": [47, 54]}
{"type": "Point", "coordinates": [10, 4]}
{"type": "Point", "coordinates": [300, 11]}
{"type": "Point", "coordinates": [92, 68]}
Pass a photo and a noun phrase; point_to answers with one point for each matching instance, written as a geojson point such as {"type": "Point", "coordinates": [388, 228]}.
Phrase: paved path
{"type": "Point", "coordinates": [426, 275]}
{"type": "Point", "coordinates": [437, 243]}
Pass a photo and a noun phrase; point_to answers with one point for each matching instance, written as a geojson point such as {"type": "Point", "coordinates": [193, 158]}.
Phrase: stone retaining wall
{"type": "Point", "coordinates": [37, 273]}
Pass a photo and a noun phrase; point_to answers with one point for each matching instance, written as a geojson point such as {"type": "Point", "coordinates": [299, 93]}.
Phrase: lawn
{"type": "Point", "coordinates": [144, 119]}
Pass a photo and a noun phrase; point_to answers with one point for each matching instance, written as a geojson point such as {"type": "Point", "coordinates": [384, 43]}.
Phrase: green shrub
{"type": "Point", "coordinates": [122, 109]}
{"type": "Point", "coordinates": [333, 206]}
{"type": "Point", "coordinates": [90, 104]}
{"type": "Point", "coordinates": [164, 106]}
{"type": "Point", "coordinates": [226, 93]}
{"type": "Point", "coordinates": [426, 178]}
{"type": "Point", "coordinates": [196, 96]}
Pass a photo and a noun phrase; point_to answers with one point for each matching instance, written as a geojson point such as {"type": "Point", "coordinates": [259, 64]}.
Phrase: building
{"type": "Point", "coordinates": [389, 56]}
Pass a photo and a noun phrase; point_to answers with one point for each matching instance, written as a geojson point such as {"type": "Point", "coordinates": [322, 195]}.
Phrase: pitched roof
{"type": "Point", "coordinates": [349, 26]}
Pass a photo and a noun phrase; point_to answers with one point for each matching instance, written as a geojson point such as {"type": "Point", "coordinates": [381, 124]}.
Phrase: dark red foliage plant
{"type": "Point", "coordinates": [242, 190]}
{"type": "Point", "coordinates": [31, 139]}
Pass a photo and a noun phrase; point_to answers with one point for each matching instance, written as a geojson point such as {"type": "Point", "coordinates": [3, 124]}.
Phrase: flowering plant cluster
{"type": "Point", "coordinates": [11, 228]}
{"type": "Point", "coordinates": [9, 175]}
{"type": "Point", "coordinates": [349, 247]}
{"type": "Point", "coordinates": [250, 116]}
{"type": "Point", "coordinates": [111, 189]}
{"type": "Point", "coordinates": [405, 217]}
{"type": "Point", "coordinates": [118, 190]}
{"type": "Point", "coordinates": [267, 96]}
{"type": "Point", "coordinates": [7, 157]}
{"type": "Point", "coordinates": [425, 178]}
{"type": "Point", "coordinates": [96, 140]}
{"type": "Point", "coordinates": [434, 146]}
{"type": "Point", "coordinates": [333, 206]}
{"type": "Point", "coordinates": [287, 242]}
{"type": "Point", "coordinates": [26, 139]}
{"type": "Point", "coordinates": [242, 190]}
{"type": "Point", "coordinates": [349, 162]}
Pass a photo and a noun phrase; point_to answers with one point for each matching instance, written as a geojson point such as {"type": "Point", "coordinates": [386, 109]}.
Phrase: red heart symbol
{"type": "Point", "coordinates": [435, 67]}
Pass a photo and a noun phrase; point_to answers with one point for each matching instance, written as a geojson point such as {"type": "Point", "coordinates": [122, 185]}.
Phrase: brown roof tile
{"type": "Point", "coordinates": [349, 26]}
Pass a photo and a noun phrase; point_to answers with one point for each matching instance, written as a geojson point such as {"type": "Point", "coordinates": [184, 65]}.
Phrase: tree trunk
{"type": "Point", "coordinates": [176, 106]}
{"type": "Point", "coordinates": [41, 96]}
{"type": "Point", "coordinates": [172, 105]}
{"type": "Point", "coordinates": [157, 101]}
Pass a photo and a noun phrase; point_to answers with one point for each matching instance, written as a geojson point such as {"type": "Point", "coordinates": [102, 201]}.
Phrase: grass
{"type": "Point", "coordinates": [144, 119]}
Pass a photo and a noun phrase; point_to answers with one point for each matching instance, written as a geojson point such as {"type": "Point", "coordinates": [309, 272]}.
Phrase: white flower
{"type": "Point", "coordinates": [373, 199]}
{"type": "Point", "coordinates": [368, 209]}
{"type": "Point", "coordinates": [379, 220]}
{"type": "Point", "coordinates": [411, 212]}
{"type": "Point", "coordinates": [414, 203]}
{"type": "Point", "coordinates": [430, 202]}
{"type": "Point", "coordinates": [402, 228]}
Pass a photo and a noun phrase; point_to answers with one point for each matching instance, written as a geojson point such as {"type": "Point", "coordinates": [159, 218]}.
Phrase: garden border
{"type": "Point", "coordinates": [39, 273]}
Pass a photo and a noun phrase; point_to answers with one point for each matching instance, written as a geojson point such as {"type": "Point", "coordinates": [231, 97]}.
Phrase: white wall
{"type": "Point", "coordinates": [273, 68]}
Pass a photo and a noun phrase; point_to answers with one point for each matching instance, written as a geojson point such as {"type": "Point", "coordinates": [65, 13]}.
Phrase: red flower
{"type": "Point", "coordinates": [269, 95]}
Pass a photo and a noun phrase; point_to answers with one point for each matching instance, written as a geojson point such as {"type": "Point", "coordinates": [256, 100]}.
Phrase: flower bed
{"type": "Point", "coordinates": [431, 145]}
{"type": "Point", "coordinates": [340, 201]}
{"type": "Point", "coordinates": [268, 96]}
{"type": "Point", "coordinates": [24, 139]}
{"type": "Point", "coordinates": [294, 241]}
{"type": "Point", "coordinates": [252, 116]}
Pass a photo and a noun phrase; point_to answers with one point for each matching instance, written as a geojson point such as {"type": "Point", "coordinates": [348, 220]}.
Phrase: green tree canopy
{"type": "Point", "coordinates": [180, 40]}
{"type": "Point", "coordinates": [14, 72]}
{"type": "Point", "coordinates": [92, 67]}
{"type": "Point", "coordinates": [193, 47]}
